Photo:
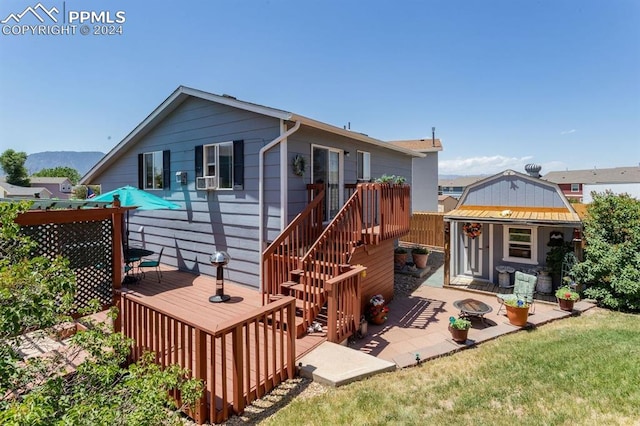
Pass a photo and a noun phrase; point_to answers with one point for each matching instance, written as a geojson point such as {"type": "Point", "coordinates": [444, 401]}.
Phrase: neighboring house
{"type": "Point", "coordinates": [456, 186]}
{"type": "Point", "coordinates": [424, 173]}
{"type": "Point", "coordinates": [507, 219]}
{"type": "Point", "coordinates": [578, 184]}
{"type": "Point", "coordinates": [446, 203]}
{"type": "Point", "coordinates": [60, 187]}
{"type": "Point", "coordinates": [242, 172]}
{"type": "Point", "coordinates": [12, 191]}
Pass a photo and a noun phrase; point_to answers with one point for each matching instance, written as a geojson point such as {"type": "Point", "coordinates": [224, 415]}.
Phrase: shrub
{"type": "Point", "coordinates": [611, 269]}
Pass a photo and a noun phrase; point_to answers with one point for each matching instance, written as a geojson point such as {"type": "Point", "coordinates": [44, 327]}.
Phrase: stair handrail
{"type": "Point", "coordinates": [343, 308]}
{"type": "Point", "coordinates": [290, 245]}
{"type": "Point", "coordinates": [322, 262]}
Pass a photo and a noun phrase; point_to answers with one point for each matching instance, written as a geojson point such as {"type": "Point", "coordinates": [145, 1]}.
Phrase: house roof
{"type": "Point", "coordinates": [22, 191]}
{"type": "Point", "coordinates": [529, 215]}
{"type": "Point", "coordinates": [183, 92]}
{"type": "Point", "coordinates": [595, 176]}
{"type": "Point", "coordinates": [43, 180]}
{"type": "Point", "coordinates": [444, 197]}
{"type": "Point", "coordinates": [420, 145]}
{"type": "Point", "coordinates": [565, 215]}
{"type": "Point", "coordinates": [460, 181]}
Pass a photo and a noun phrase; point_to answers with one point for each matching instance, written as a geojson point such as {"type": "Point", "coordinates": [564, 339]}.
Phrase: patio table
{"type": "Point", "coordinates": [132, 255]}
{"type": "Point", "coordinates": [470, 308]}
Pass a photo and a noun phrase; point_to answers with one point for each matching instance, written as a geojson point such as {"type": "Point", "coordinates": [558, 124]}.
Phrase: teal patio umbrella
{"type": "Point", "coordinates": [133, 197]}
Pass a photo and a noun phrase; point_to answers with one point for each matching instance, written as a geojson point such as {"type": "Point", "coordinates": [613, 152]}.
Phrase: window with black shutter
{"type": "Point", "coordinates": [220, 166]}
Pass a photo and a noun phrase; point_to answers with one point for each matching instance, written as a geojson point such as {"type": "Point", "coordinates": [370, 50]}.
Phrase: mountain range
{"type": "Point", "coordinates": [82, 161]}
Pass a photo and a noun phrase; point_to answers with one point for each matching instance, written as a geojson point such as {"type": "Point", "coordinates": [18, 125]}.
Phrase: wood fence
{"type": "Point", "coordinates": [427, 228]}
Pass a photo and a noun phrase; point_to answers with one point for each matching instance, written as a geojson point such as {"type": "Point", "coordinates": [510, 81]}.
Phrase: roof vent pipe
{"type": "Point", "coordinates": [533, 170]}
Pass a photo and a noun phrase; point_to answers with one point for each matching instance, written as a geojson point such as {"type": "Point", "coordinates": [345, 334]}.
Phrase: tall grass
{"type": "Point", "coordinates": [583, 370]}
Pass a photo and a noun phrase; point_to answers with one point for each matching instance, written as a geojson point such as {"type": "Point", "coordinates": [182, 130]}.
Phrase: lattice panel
{"type": "Point", "coordinates": [88, 246]}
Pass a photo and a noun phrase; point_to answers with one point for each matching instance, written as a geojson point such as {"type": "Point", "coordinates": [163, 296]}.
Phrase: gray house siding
{"type": "Point", "coordinates": [211, 220]}
{"type": "Point", "coordinates": [513, 191]}
{"type": "Point", "coordinates": [300, 143]}
{"type": "Point", "coordinates": [424, 190]}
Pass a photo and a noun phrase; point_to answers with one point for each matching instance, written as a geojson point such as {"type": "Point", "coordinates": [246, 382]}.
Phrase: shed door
{"type": "Point", "coordinates": [472, 255]}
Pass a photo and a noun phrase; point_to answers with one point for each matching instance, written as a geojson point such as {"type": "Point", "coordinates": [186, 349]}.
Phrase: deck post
{"type": "Point", "coordinates": [238, 369]}
{"type": "Point", "coordinates": [291, 335]}
{"type": "Point", "coordinates": [200, 371]}
{"type": "Point", "coordinates": [117, 302]}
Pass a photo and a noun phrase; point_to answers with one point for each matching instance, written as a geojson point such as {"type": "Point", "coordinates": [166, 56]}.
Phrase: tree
{"type": "Point", "coordinates": [611, 270]}
{"type": "Point", "coordinates": [12, 163]}
{"type": "Point", "coordinates": [36, 293]}
{"type": "Point", "coordinates": [60, 171]}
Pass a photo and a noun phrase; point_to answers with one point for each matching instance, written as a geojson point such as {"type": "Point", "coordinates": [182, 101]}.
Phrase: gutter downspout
{"type": "Point", "coordinates": [283, 177]}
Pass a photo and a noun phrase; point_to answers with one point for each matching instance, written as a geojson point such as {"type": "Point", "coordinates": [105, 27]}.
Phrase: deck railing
{"type": "Point", "coordinates": [343, 307]}
{"type": "Point", "coordinates": [394, 208]}
{"type": "Point", "coordinates": [284, 253]}
{"type": "Point", "coordinates": [239, 362]}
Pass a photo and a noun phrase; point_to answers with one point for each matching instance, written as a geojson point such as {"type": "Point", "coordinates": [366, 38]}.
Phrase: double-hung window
{"type": "Point", "coordinates": [520, 244]}
{"type": "Point", "coordinates": [220, 165]}
{"type": "Point", "coordinates": [575, 187]}
{"type": "Point", "coordinates": [364, 166]}
{"type": "Point", "coordinates": [153, 170]}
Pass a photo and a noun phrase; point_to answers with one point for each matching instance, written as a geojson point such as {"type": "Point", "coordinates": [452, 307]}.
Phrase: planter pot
{"type": "Point", "coordinates": [566, 305]}
{"type": "Point", "coordinates": [378, 319]}
{"type": "Point", "coordinates": [400, 259]}
{"type": "Point", "coordinates": [517, 316]}
{"type": "Point", "coordinates": [458, 335]}
{"type": "Point", "coordinates": [420, 260]}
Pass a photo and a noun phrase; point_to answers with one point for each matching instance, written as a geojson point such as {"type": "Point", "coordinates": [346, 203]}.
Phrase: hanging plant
{"type": "Point", "coordinates": [472, 230]}
{"type": "Point", "coordinates": [299, 165]}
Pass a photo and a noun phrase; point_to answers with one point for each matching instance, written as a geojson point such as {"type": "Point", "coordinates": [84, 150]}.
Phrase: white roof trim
{"type": "Point", "coordinates": [183, 92]}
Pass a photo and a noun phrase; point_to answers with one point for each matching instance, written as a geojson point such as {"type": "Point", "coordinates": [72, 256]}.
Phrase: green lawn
{"type": "Point", "coordinates": [583, 370]}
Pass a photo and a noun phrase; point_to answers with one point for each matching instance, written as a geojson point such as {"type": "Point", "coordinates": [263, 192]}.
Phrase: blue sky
{"type": "Point", "coordinates": [505, 83]}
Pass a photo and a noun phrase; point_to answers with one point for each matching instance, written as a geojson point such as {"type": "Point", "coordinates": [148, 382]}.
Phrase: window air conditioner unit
{"type": "Point", "coordinates": [206, 183]}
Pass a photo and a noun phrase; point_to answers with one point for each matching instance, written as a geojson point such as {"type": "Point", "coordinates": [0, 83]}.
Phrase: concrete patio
{"type": "Point", "coordinates": [417, 326]}
{"type": "Point", "coordinates": [417, 330]}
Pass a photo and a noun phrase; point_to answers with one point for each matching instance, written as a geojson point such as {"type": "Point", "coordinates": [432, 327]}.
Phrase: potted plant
{"type": "Point", "coordinates": [566, 298]}
{"type": "Point", "coordinates": [376, 311]}
{"type": "Point", "coordinates": [459, 329]}
{"type": "Point", "coordinates": [420, 256]}
{"type": "Point", "coordinates": [400, 256]}
{"type": "Point", "coordinates": [517, 311]}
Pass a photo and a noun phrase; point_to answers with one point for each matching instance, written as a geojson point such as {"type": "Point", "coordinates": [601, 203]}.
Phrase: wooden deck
{"type": "Point", "coordinates": [240, 348]}
{"type": "Point", "coordinates": [186, 296]}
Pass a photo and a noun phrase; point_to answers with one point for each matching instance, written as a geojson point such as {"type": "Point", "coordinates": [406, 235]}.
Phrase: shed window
{"type": "Point", "coordinates": [364, 166]}
{"type": "Point", "coordinates": [520, 244]}
{"type": "Point", "coordinates": [575, 187]}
